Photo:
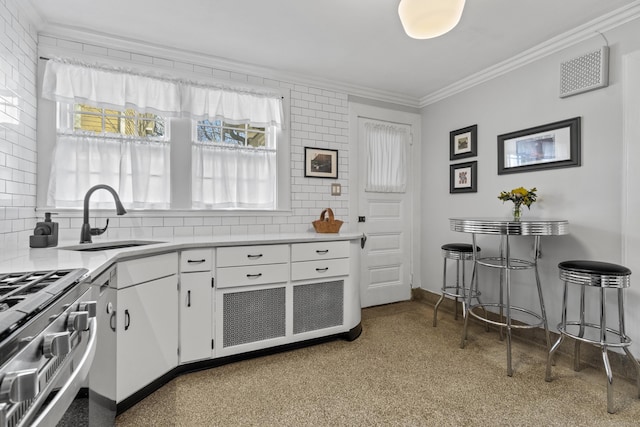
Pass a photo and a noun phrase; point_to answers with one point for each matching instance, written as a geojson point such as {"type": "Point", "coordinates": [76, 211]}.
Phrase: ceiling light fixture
{"type": "Point", "coordinates": [426, 19]}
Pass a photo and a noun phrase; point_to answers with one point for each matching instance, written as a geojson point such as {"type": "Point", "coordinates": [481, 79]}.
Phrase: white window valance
{"type": "Point", "coordinates": [102, 87]}
{"type": "Point", "coordinates": [259, 110]}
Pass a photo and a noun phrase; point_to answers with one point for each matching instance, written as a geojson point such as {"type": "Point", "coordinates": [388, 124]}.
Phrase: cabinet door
{"type": "Point", "coordinates": [195, 316]}
{"type": "Point", "coordinates": [147, 334]}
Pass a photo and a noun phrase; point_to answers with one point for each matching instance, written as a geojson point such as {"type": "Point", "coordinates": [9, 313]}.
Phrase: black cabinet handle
{"type": "Point", "coordinates": [112, 321]}
{"type": "Point", "coordinates": [127, 320]}
{"type": "Point", "coordinates": [254, 256]}
{"type": "Point", "coordinates": [188, 298]}
{"type": "Point", "coordinates": [195, 261]}
{"type": "Point", "coordinates": [254, 276]}
{"type": "Point", "coordinates": [322, 270]}
{"type": "Point", "coordinates": [322, 252]}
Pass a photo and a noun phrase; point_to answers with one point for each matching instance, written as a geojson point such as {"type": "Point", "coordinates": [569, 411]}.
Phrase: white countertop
{"type": "Point", "coordinates": [34, 259]}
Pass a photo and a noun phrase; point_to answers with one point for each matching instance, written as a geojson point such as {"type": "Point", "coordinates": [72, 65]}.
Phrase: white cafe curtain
{"type": "Point", "coordinates": [386, 157]}
{"type": "Point", "coordinates": [137, 170]}
{"type": "Point", "coordinates": [233, 178]}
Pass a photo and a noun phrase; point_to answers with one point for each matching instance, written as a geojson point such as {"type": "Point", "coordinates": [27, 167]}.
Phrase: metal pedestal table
{"type": "Point", "coordinates": [506, 264]}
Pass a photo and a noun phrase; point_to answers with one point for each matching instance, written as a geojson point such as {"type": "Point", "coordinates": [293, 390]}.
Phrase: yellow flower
{"type": "Point", "coordinates": [521, 191]}
{"type": "Point", "coordinates": [519, 196]}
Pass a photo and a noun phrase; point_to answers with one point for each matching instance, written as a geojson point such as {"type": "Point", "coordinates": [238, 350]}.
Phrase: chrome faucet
{"type": "Point", "coordinates": [87, 231]}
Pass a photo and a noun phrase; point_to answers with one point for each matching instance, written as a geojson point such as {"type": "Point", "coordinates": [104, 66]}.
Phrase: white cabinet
{"type": "Point", "coordinates": [146, 333]}
{"type": "Point", "coordinates": [251, 297]}
{"type": "Point", "coordinates": [320, 277]}
{"type": "Point", "coordinates": [196, 305]}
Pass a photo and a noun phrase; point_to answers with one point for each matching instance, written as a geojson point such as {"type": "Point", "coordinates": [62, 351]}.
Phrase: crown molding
{"type": "Point", "coordinates": [32, 13]}
{"type": "Point", "coordinates": [109, 41]}
{"type": "Point", "coordinates": [579, 34]}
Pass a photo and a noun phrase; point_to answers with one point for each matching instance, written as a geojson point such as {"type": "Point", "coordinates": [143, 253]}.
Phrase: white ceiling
{"type": "Point", "coordinates": [356, 43]}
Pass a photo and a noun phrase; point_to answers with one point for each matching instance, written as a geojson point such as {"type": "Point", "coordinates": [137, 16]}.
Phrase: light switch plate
{"type": "Point", "coordinates": [336, 189]}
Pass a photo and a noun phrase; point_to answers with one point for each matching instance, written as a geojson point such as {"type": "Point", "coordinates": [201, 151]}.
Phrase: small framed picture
{"type": "Point", "coordinates": [320, 163]}
{"type": "Point", "coordinates": [463, 143]}
{"type": "Point", "coordinates": [463, 178]}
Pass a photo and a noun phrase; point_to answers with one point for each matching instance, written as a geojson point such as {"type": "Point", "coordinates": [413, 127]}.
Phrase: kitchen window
{"type": "Point", "coordinates": [161, 143]}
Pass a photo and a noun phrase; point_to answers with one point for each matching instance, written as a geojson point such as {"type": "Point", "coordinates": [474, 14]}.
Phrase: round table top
{"type": "Point", "coordinates": [507, 226]}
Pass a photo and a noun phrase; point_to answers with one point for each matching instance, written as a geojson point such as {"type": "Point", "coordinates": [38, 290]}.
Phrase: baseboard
{"type": "Point", "coordinates": [590, 355]}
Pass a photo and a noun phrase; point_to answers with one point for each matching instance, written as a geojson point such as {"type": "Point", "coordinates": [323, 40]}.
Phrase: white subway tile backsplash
{"type": "Point", "coordinates": [173, 222]}
{"type": "Point", "coordinates": [193, 221]}
{"type": "Point", "coordinates": [182, 231]}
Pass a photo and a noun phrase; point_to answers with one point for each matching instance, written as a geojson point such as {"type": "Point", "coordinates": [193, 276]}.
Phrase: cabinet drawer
{"type": "Point", "coordinates": [196, 260]}
{"type": "Point", "coordinates": [229, 277]}
{"type": "Point", "coordinates": [319, 269]}
{"type": "Point", "coordinates": [319, 250]}
{"type": "Point", "coordinates": [142, 270]}
{"type": "Point", "coordinates": [252, 255]}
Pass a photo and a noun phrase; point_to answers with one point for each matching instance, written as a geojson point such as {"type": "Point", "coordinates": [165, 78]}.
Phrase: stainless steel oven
{"type": "Point", "coordinates": [47, 344]}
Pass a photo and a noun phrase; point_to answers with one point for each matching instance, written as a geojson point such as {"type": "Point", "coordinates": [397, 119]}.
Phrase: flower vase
{"type": "Point", "coordinates": [517, 212]}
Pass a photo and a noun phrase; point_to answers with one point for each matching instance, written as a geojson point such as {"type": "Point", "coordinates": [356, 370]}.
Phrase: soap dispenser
{"type": "Point", "coordinates": [45, 234]}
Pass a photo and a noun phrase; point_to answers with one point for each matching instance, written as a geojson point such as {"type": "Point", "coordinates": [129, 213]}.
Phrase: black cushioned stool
{"type": "Point", "coordinates": [605, 277]}
{"type": "Point", "coordinates": [458, 252]}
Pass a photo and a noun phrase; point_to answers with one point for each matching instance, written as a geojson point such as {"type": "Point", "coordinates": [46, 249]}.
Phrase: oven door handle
{"type": "Point", "coordinates": [56, 408]}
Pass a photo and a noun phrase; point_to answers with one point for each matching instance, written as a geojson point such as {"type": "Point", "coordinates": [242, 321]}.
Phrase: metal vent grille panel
{"type": "Point", "coordinates": [318, 306]}
{"type": "Point", "coordinates": [585, 73]}
{"type": "Point", "coordinates": [253, 316]}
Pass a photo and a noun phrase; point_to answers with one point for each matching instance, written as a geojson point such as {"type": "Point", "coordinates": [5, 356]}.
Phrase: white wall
{"type": "Point", "coordinates": [590, 196]}
{"type": "Point", "coordinates": [17, 125]}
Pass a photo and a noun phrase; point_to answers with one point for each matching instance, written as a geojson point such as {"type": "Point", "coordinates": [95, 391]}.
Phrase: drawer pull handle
{"type": "Point", "coordinates": [254, 256]}
{"type": "Point", "coordinates": [254, 276]}
{"type": "Point", "coordinates": [323, 252]}
{"type": "Point", "coordinates": [127, 320]}
{"type": "Point", "coordinates": [322, 270]}
{"type": "Point", "coordinates": [195, 261]}
{"type": "Point", "coordinates": [188, 298]}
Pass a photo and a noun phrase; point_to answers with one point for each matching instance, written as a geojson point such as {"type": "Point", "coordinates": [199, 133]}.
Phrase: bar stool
{"type": "Point", "coordinates": [606, 277]}
{"type": "Point", "coordinates": [457, 252]}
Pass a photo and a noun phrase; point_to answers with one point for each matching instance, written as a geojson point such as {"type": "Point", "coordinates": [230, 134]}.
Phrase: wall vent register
{"type": "Point", "coordinates": [584, 73]}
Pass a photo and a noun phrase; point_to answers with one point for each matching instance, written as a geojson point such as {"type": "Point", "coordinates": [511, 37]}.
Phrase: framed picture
{"type": "Point", "coordinates": [463, 178]}
{"type": "Point", "coordinates": [320, 163]}
{"type": "Point", "coordinates": [556, 145]}
{"type": "Point", "coordinates": [463, 143]}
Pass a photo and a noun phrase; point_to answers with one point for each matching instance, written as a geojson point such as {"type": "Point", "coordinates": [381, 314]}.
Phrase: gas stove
{"type": "Point", "coordinates": [47, 342]}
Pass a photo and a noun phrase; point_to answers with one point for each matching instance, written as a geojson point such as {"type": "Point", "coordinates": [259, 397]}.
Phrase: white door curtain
{"type": "Point", "coordinates": [386, 157]}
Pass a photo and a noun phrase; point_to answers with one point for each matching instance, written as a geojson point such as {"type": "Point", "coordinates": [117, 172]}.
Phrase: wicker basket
{"type": "Point", "coordinates": [327, 225]}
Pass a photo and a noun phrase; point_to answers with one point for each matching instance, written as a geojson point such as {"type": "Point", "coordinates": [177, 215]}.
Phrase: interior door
{"type": "Point", "coordinates": [386, 220]}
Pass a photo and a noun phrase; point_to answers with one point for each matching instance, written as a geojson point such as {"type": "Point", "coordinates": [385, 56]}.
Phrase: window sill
{"type": "Point", "coordinates": [144, 213]}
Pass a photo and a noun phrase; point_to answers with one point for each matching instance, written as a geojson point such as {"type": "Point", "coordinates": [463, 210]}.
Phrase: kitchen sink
{"type": "Point", "coordinates": [106, 246]}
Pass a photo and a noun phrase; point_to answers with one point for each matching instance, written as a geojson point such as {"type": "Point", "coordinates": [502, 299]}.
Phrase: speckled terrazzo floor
{"type": "Point", "coordinates": [400, 371]}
